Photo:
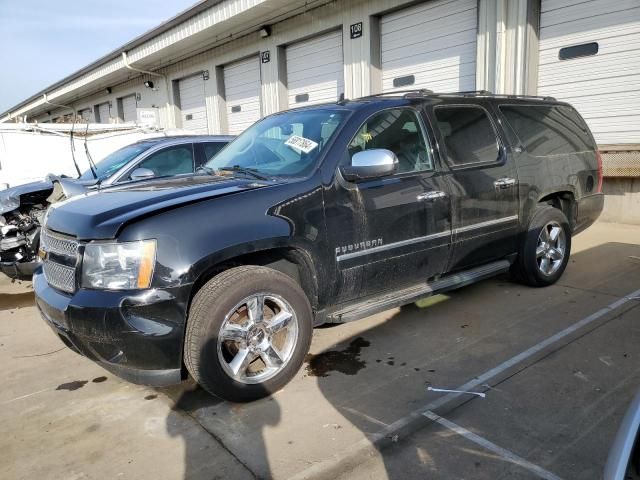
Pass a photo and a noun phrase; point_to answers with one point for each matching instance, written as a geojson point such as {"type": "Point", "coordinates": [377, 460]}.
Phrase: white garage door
{"type": "Point", "coordinates": [103, 113]}
{"type": "Point", "coordinates": [315, 70]}
{"type": "Point", "coordinates": [431, 46]}
{"type": "Point", "coordinates": [86, 114]}
{"type": "Point", "coordinates": [589, 57]}
{"type": "Point", "coordinates": [242, 94]}
{"type": "Point", "coordinates": [193, 105]}
{"type": "Point", "coordinates": [129, 104]}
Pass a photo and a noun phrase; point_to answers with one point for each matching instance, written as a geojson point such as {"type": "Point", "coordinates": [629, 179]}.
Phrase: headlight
{"type": "Point", "coordinates": [118, 266]}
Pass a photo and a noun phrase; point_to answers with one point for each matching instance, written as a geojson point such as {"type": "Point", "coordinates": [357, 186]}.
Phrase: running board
{"type": "Point", "coordinates": [408, 295]}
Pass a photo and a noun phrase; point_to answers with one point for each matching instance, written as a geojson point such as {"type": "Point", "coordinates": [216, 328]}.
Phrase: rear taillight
{"type": "Point", "coordinates": [599, 160]}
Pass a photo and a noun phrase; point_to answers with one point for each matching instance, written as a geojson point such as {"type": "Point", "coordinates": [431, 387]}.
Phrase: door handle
{"type": "Point", "coordinates": [505, 183]}
{"type": "Point", "coordinates": [428, 196]}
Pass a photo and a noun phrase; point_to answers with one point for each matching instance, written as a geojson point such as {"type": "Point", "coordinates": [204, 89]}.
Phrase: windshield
{"type": "Point", "coordinates": [286, 144]}
{"type": "Point", "coordinates": [116, 160]}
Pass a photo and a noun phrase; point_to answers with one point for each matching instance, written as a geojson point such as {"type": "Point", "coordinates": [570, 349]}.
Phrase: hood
{"type": "Point", "coordinates": [11, 197]}
{"type": "Point", "coordinates": [101, 214]}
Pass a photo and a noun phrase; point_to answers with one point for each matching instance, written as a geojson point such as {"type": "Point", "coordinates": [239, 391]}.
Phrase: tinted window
{"type": "Point", "coordinates": [170, 161]}
{"type": "Point", "coordinates": [397, 130]}
{"type": "Point", "coordinates": [548, 130]}
{"type": "Point", "coordinates": [116, 160]}
{"type": "Point", "coordinates": [468, 134]}
{"type": "Point", "coordinates": [577, 51]}
{"type": "Point", "coordinates": [211, 149]}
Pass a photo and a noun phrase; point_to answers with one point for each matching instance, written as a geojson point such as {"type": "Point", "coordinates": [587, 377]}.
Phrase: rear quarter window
{"type": "Point", "coordinates": [548, 129]}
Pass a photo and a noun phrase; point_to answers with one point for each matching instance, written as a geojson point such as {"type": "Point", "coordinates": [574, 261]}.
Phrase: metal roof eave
{"type": "Point", "coordinates": [201, 6]}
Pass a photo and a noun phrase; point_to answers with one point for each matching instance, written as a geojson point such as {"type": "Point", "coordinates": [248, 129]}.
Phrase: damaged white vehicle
{"type": "Point", "coordinates": [22, 208]}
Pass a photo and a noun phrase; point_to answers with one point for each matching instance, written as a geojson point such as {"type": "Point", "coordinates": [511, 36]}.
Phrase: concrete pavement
{"type": "Point", "coordinates": [557, 410]}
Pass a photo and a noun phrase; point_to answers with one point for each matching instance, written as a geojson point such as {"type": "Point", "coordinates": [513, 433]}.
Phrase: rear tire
{"type": "Point", "coordinates": [545, 248]}
{"type": "Point", "coordinates": [248, 332]}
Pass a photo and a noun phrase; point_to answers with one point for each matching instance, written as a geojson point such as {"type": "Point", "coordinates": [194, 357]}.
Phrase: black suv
{"type": "Point", "coordinates": [322, 214]}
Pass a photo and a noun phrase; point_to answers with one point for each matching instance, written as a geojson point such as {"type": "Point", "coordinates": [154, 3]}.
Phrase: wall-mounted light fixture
{"type": "Point", "coordinates": [148, 84]}
{"type": "Point", "coordinates": [205, 75]}
{"type": "Point", "coordinates": [265, 31]}
{"type": "Point", "coordinates": [108, 90]}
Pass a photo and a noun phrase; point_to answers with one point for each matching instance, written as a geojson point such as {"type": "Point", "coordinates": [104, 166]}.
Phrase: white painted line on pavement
{"type": "Point", "coordinates": [483, 442]}
{"type": "Point", "coordinates": [388, 432]}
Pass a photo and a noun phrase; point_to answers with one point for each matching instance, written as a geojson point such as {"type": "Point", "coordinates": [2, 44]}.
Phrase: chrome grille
{"type": "Point", "coordinates": [59, 275]}
{"type": "Point", "coordinates": [51, 242]}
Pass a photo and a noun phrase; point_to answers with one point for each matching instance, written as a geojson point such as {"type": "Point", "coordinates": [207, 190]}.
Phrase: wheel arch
{"type": "Point", "coordinates": [563, 200]}
{"type": "Point", "coordinates": [295, 262]}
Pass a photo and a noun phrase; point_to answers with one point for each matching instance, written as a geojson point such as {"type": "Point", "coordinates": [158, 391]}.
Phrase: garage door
{"type": "Point", "coordinates": [315, 70]}
{"type": "Point", "coordinates": [589, 57]}
{"type": "Point", "coordinates": [103, 113]}
{"type": "Point", "coordinates": [129, 108]}
{"type": "Point", "coordinates": [193, 108]}
{"type": "Point", "coordinates": [242, 94]}
{"type": "Point", "coordinates": [86, 115]}
{"type": "Point", "coordinates": [431, 46]}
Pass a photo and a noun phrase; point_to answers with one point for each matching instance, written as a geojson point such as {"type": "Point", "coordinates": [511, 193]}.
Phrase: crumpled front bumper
{"type": "Point", "coordinates": [19, 270]}
{"type": "Point", "coordinates": [136, 335]}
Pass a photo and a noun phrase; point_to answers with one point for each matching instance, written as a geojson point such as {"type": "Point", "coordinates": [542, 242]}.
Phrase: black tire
{"type": "Point", "coordinates": [526, 268]}
{"type": "Point", "coordinates": [210, 306]}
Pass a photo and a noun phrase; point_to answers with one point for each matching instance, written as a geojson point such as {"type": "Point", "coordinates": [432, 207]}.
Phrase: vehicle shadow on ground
{"type": "Point", "coordinates": [192, 400]}
{"type": "Point", "coordinates": [370, 376]}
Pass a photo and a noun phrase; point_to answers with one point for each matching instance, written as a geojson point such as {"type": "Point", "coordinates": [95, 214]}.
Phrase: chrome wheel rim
{"type": "Point", "coordinates": [551, 249]}
{"type": "Point", "coordinates": [257, 338]}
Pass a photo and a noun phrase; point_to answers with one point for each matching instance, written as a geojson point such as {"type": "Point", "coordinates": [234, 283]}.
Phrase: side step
{"type": "Point", "coordinates": [408, 295]}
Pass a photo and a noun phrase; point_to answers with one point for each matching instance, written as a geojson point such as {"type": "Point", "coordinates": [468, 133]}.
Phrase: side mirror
{"type": "Point", "coordinates": [370, 164]}
{"type": "Point", "coordinates": [141, 174]}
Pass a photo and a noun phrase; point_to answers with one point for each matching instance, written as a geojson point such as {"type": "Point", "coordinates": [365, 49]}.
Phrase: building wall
{"type": "Point", "coordinates": [361, 58]}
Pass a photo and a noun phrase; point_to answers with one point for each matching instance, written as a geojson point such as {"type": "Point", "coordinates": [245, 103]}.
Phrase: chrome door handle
{"type": "Point", "coordinates": [431, 195]}
{"type": "Point", "coordinates": [505, 182]}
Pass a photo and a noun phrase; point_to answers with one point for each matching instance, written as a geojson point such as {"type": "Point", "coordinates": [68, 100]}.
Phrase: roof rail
{"type": "Point", "coordinates": [411, 93]}
{"type": "Point", "coordinates": [487, 93]}
{"type": "Point", "coordinates": [423, 92]}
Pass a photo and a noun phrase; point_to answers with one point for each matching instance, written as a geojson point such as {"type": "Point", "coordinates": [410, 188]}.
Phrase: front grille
{"type": "Point", "coordinates": [59, 269]}
{"type": "Point", "coordinates": [58, 244]}
{"type": "Point", "coordinates": [60, 277]}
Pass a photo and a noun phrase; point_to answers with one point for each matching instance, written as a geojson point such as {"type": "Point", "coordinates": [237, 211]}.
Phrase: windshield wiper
{"type": "Point", "coordinates": [247, 171]}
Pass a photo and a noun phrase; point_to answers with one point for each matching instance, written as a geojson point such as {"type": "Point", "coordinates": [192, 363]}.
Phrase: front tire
{"type": "Point", "coordinates": [248, 331]}
{"type": "Point", "coordinates": [545, 249]}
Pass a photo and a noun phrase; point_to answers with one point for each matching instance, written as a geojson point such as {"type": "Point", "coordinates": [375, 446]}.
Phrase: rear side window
{"type": "Point", "coordinates": [548, 129]}
{"type": "Point", "coordinates": [468, 135]}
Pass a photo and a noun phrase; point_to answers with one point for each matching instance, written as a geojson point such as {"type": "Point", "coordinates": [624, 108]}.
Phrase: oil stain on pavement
{"type": "Point", "coordinates": [71, 386]}
{"type": "Point", "coordinates": [345, 361]}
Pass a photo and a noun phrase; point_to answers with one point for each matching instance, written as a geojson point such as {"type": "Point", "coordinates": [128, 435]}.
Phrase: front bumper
{"type": "Point", "coordinates": [136, 335]}
{"type": "Point", "coordinates": [19, 270]}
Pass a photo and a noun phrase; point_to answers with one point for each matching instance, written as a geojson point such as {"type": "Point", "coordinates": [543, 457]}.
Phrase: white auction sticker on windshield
{"type": "Point", "coordinates": [300, 143]}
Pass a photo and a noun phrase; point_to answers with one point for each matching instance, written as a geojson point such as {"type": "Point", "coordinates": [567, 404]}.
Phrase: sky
{"type": "Point", "coordinates": [43, 41]}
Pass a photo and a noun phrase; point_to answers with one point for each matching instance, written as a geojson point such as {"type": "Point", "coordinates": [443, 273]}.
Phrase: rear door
{"type": "Point", "coordinates": [484, 185]}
